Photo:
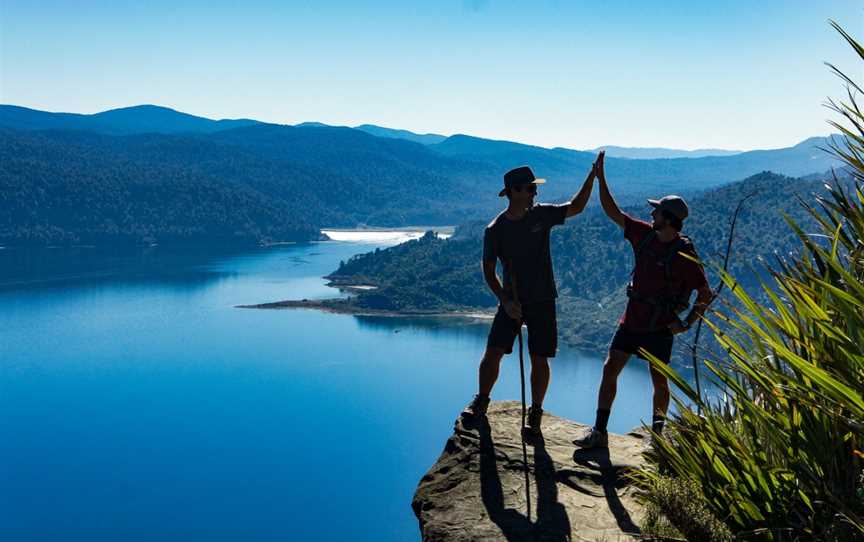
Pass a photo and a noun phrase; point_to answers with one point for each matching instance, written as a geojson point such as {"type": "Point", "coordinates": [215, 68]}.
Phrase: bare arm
{"type": "Point", "coordinates": [512, 307]}
{"type": "Point", "coordinates": [577, 204]}
{"type": "Point", "coordinates": [704, 296]}
{"type": "Point", "coordinates": [492, 281]}
{"type": "Point", "coordinates": [606, 200]}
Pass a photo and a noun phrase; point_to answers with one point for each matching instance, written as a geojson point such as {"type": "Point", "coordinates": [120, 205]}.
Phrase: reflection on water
{"type": "Point", "coordinates": [448, 323]}
{"type": "Point", "coordinates": [63, 267]}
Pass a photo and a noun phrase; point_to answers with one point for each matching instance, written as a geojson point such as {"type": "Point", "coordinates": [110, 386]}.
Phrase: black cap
{"type": "Point", "coordinates": [518, 177]}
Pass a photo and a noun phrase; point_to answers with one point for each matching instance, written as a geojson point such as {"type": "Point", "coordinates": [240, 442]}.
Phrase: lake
{"type": "Point", "coordinates": [137, 403]}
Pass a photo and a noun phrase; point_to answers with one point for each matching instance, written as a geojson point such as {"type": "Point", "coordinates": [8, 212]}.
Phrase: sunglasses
{"type": "Point", "coordinates": [530, 188]}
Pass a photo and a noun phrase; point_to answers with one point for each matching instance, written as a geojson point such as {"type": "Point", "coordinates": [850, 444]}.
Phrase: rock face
{"type": "Point", "coordinates": [476, 489]}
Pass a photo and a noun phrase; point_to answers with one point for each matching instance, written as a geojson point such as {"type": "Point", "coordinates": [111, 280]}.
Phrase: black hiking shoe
{"type": "Point", "coordinates": [478, 406]}
{"type": "Point", "coordinates": [535, 414]}
{"type": "Point", "coordinates": [593, 439]}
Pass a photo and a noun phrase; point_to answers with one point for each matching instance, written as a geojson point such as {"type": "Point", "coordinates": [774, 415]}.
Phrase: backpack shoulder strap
{"type": "Point", "coordinates": [673, 251]}
{"type": "Point", "coordinates": [683, 244]}
{"type": "Point", "coordinates": [639, 249]}
{"type": "Point", "coordinates": [645, 241]}
{"type": "Point", "coordinates": [688, 244]}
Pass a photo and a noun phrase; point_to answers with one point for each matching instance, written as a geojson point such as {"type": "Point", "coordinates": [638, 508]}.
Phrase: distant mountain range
{"type": "Point", "coordinates": [612, 151]}
{"type": "Point", "coordinates": [380, 131]}
{"type": "Point", "coordinates": [648, 153]}
{"type": "Point", "coordinates": [426, 139]}
{"type": "Point", "coordinates": [139, 119]}
{"type": "Point", "coordinates": [130, 175]}
{"type": "Point", "coordinates": [634, 178]}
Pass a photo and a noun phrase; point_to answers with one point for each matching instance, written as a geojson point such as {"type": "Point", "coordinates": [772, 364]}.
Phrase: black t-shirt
{"type": "Point", "coordinates": [524, 244]}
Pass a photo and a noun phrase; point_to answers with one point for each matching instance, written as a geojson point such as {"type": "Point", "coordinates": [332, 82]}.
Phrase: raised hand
{"type": "Point", "coordinates": [598, 166]}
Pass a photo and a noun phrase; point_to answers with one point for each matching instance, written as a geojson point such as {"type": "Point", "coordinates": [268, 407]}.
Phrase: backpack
{"type": "Point", "coordinates": [667, 302]}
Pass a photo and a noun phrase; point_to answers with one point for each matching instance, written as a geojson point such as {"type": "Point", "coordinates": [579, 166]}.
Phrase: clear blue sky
{"type": "Point", "coordinates": [728, 74]}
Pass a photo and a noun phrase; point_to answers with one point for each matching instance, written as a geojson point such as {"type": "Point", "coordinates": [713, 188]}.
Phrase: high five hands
{"type": "Point", "coordinates": [597, 167]}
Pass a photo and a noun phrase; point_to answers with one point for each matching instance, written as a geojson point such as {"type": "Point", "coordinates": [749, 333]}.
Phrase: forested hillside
{"type": "Point", "coordinates": [77, 188]}
{"type": "Point", "coordinates": [150, 174]}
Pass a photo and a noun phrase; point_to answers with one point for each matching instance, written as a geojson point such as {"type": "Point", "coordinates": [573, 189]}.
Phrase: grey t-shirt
{"type": "Point", "coordinates": [524, 245]}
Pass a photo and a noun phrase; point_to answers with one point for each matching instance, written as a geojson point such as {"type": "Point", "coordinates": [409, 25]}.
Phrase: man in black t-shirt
{"type": "Point", "coordinates": [519, 239]}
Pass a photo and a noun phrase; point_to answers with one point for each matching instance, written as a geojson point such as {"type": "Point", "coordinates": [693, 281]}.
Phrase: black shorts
{"type": "Point", "coordinates": [542, 329]}
{"type": "Point", "coordinates": [658, 343]}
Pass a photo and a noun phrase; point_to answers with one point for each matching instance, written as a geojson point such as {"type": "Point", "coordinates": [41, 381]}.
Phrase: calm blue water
{"type": "Point", "coordinates": [136, 403]}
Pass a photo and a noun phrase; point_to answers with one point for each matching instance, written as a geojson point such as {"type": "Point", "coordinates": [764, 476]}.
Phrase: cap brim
{"type": "Point", "coordinates": [539, 181]}
{"type": "Point", "coordinates": [654, 202]}
{"type": "Point", "coordinates": [502, 192]}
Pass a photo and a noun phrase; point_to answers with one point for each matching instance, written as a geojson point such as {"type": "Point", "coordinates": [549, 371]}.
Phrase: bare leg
{"type": "Point", "coordinates": [539, 379]}
{"type": "Point", "coordinates": [615, 362]}
{"type": "Point", "coordinates": [489, 366]}
{"type": "Point", "coordinates": [661, 393]}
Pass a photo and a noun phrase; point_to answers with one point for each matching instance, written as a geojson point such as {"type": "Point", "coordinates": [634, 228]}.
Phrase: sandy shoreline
{"type": "Point", "coordinates": [340, 306]}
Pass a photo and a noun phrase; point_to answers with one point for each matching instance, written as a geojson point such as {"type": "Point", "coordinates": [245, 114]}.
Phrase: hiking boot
{"type": "Point", "coordinates": [478, 406]}
{"type": "Point", "coordinates": [535, 414]}
{"type": "Point", "coordinates": [593, 439]}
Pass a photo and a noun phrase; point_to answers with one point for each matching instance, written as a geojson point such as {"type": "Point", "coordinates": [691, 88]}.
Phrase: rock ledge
{"type": "Point", "coordinates": [476, 489]}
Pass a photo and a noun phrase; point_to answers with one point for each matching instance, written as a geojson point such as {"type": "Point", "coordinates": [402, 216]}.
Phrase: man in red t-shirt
{"type": "Point", "coordinates": [663, 281]}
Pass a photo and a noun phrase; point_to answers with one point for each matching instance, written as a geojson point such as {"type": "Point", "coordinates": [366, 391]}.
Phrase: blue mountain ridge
{"type": "Point", "coordinates": [146, 159]}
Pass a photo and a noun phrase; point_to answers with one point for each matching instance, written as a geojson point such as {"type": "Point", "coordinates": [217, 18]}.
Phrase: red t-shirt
{"type": "Point", "coordinates": [649, 277]}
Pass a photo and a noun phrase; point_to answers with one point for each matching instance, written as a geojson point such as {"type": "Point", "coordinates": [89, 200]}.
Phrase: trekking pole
{"type": "Point", "coordinates": [717, 291]}
{"type": "Point", "coordinates": [521, 358]}
{"type": "Point", "coordinates": [522, 382]}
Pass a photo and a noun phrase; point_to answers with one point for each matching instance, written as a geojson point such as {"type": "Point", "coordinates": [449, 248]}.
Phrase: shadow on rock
{"type": "Point", "coordinates": [552, 523]}
{"type": "Point", "coordinates": [610, 477]}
